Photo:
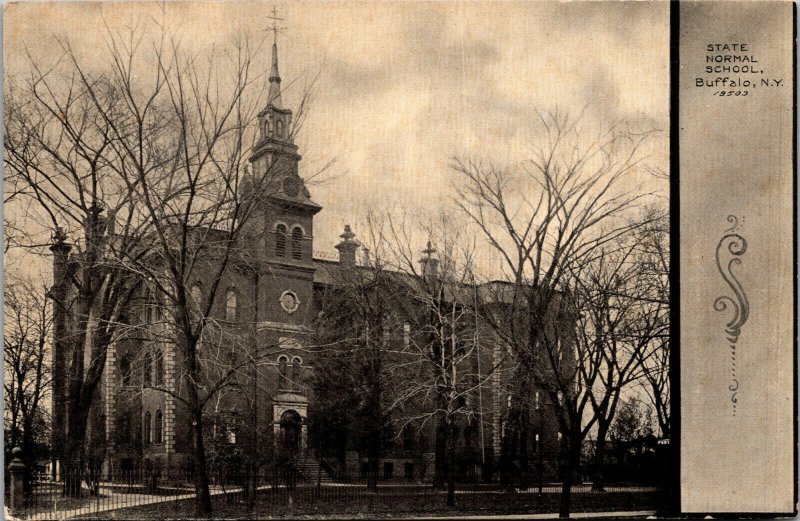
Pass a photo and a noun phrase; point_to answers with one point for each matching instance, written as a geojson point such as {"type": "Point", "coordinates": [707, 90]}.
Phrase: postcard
{"type": "Point", "coordinates": [399, 259]}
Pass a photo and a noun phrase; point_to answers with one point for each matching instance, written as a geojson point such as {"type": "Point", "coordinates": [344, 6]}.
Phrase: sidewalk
{"type": "Point", "coordinates": [575, 515]}
{"type": "Point", "coordinates": [107, 504]}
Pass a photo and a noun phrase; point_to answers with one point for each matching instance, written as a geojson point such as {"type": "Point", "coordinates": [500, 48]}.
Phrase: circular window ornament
{"type": "Point", "coordinates": [291, 186]}
{"type": "Point", "coordinates": [289, 301]}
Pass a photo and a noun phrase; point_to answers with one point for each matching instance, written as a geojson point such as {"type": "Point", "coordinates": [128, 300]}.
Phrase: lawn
{"type": "Point", "coordinates": [386, 503]}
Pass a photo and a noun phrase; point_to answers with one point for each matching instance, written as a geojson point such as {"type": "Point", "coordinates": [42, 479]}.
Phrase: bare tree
{"type": "Point", "coordinates": [354, 329]}
{"type": "Point", "coordinates": [364, 313]}
{"type": "Point", "coordinates": [445, 350]}
{"type": "Point", "coordinates": [544, 219]}
{"type": "Point", "coordinates": [160, 140]}
{"type": "Point", "coordinates": [654, 291]}
{"type": "Point", "coordinates": [411, 321]}
{"type": "Point", "coordinates": [616, 329]}
{"type": "Point", "coordinates": [203, 201]}
{"type": "Point", "coordinates": [27, 372]}
{"type": "Point", "coordinates": [57, 155]}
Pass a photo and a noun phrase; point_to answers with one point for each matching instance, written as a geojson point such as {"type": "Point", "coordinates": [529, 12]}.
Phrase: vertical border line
{"type": "Point", "coordinates": [674, 480]}
{"type": "Point", "coordinates": [794, 237]}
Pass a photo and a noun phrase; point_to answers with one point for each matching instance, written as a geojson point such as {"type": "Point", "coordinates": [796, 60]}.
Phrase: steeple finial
{"type": "Point", "coordinates": [274, 75]}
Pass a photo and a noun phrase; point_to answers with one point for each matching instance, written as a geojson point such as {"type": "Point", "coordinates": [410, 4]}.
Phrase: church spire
{"type": "Point", "coordinates": [274, 75]}
{"type": "Point", "coordinates": [275, 80]}
{"type": "Point", "coordinates": [276, 141]}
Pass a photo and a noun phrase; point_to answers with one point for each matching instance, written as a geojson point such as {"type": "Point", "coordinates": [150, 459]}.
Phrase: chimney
{"type": "Point", "coordinates": [347, 248]}
{"type": "Point", "coordinates": [430, 264]}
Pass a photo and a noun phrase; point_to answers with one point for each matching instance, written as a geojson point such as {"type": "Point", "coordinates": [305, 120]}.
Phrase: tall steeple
{"type": "Point", "coordinates": [275, 120]}
{"type": "Point", "coordinates": [275, 153]}
{"type": "Point", "coordinates": [275, 80]}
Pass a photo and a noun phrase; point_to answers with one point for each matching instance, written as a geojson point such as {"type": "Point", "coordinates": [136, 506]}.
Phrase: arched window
{"type": "Point", "coordinates": [294, 372]}
{"type": "Point", "coordinates": [283, 376]}
{"type": "Point", "coordinates": [408, 437]}
{"type": "Point", "coordinates": [147, 370]}
{"type": "Point", "coordinates": [230, 305]}
{"type": "Point", "coordinates": [148, 308]}
{"type": "Point", "coordinates": [124, 428]}
{"type": "Point", "coordinates": [159, 358]}
{"type": "Point", "coordinates": [279, 127]}
{"type": "Point", "coordinates": [388, 437]}
{"type": "Point", "coordinates": [297, 240]}
{"type": "Point", "coordinates": [125, 369]}
{"type": "Point", "coordinates": [280, 240]}
{"type": "Point", "coordinates": [159, 427]}
{"type": "Point", "coordinates": [152, 310]}
{"type": "Point", "coordinates": [146, 426]}
{"type": "Point", "coordinates": [197, 296]}
{"type": "Point", "coordinates": [406, 335]}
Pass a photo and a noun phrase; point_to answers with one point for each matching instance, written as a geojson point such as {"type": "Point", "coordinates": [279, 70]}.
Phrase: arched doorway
{"type": "Point", "coordinates": [291, 425]}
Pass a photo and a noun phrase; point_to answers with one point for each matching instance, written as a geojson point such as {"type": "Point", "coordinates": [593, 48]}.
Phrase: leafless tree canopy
{"type": "Point", "coordinates": [27, 369]}
{"type": "Point", "coordinates": [559, 213]}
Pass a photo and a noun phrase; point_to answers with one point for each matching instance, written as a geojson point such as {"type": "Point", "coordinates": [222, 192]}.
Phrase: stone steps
{"type": "Point", "coordinates": [311, 471]}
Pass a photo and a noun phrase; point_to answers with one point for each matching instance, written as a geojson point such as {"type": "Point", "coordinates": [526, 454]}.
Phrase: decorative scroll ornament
{"type": "Point", "coordinates": [730, 248]}
{"type": "Point", "coordinates": [734, 245]}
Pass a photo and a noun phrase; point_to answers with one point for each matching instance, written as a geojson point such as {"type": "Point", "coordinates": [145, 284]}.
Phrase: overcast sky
{"type": "Point", "coordinates": [404, 86]}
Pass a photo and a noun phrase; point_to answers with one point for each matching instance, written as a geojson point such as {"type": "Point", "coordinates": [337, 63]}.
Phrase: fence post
{"type": "Point", "coordinates": [17, 470]}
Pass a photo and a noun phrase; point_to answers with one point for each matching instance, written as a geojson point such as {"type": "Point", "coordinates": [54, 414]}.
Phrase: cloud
{"type": "Point", "coordinates": [406, 85]}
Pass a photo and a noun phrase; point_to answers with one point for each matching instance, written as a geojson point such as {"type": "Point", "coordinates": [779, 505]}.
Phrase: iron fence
{"type": "Point", "coordinates": [291, 494]}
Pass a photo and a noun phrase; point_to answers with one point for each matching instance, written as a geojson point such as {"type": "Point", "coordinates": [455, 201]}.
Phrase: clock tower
{"type": "Point", "coordinates": [282, 229]}
{"type": "Point", "coordinates": [285, 281]}
{"type": "Point", "coordinates": [287, 207]}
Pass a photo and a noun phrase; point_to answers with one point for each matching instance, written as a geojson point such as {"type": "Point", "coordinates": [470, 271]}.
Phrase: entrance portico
{"type": "Point", "coordinates": [289, 413]}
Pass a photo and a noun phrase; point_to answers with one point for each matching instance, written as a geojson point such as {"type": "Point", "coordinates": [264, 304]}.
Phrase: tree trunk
{"type": "Point", "coordinates": [252, 483]}
{"type": "Point", "coordinates": [599, 460]}
{"type": "Point", "coordinates": [71, 470]}
{"type": "Point", "coordinates": [508, 450]}
{"type": "Point", "coordinates": [451, 465]}
{"type": "Point", "coordinates": [376, 422]}
{"type": "Point", "coordinates": [566, 489]}
{"type": "Point", "coordinates": [570, 463]}
{"type": "Point", "coordinates": [373, 456]}
{"type": "Point", "coordinates": [203, 497]}
{"type": "Point", "coordinates": [73, 458]}
{"type": "Point", "coordinates": [375, 435]}
{"type": "Point", "coordinates": [440, 451]}
{"type": "Point", "coordinates": [524, 436]}
{"type": "Point", "coordinates": [29, 453]}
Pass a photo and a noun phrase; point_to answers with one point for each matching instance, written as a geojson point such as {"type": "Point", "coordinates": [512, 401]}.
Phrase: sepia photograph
{"type": "Point", "coordinates": [348, 260]}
